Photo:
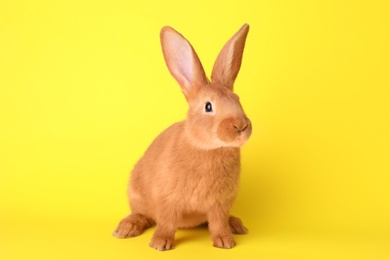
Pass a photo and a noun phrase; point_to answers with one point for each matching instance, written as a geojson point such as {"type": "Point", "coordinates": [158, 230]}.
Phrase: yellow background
{"type": "Point", "coordinates": [84, 90]}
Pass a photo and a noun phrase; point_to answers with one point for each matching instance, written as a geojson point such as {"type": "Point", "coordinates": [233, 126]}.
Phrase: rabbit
{"type": "Point", "coordinates": [189, 175]}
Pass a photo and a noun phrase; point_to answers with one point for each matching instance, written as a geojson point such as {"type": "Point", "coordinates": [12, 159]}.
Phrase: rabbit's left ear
{"type": "Point", "coordinates": [182, 61]}
{"type": "Point", "coordinates": [228, 62]}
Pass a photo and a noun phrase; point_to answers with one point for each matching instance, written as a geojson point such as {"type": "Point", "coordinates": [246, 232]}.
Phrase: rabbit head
{"type": "Point", "coordinates": [215, 117]}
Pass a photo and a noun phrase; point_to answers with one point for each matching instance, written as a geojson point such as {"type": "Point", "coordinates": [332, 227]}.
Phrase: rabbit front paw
{"type": "Point", "coordinates": [162, 243]}
{"type": "Point", "coordinates": [226, 241]}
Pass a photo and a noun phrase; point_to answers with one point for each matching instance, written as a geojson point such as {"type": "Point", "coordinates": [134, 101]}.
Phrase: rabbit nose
{"type": "Point", "coordinates": [240, 125]}
{"type": "Point", "coordinates": [240, 129]}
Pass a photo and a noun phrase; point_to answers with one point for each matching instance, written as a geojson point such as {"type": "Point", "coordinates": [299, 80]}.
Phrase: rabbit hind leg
{"type": "Point", "coordinates": [133, 225]}
{"type": "Point", "coordinates": [236, 226]}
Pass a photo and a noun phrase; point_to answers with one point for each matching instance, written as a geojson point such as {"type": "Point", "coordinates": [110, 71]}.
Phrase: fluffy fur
{"type": "Point", "coordinates": [189, 174]}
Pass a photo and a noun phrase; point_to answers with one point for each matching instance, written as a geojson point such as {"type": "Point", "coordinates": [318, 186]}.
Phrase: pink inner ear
{"type": "Point", "coordinates": [181, 60]}
{"type": "Point", "coordinates": [177, 54]}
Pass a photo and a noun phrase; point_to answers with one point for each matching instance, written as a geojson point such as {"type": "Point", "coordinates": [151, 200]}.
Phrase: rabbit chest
{"type": "Point", "coordinates": [198, 182]}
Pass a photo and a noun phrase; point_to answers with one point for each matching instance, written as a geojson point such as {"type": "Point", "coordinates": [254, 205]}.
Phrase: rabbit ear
{"type": "Point", "coordinates": [182, 61]}
{"type": "Point", "coordinates": [228, 62]}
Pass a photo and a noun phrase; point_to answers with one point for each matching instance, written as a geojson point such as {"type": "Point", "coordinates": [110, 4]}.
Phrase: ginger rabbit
{"type": "Point", "coordinates": [189, 175]}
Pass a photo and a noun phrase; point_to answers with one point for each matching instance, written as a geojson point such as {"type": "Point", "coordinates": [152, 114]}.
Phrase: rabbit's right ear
{"type": "Point", "coordinates": [182, 61]}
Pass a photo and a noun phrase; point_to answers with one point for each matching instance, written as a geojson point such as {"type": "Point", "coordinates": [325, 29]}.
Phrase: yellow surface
{"type": "Point", "coordinates": [84, 90]}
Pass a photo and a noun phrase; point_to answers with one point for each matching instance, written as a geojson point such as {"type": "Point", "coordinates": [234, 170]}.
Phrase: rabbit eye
{"type": "Point", "coordinates": [208, 107]}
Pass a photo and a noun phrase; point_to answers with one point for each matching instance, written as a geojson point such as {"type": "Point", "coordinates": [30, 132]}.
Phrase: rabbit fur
{"type": "Point", "coordinates": [189, 175]}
